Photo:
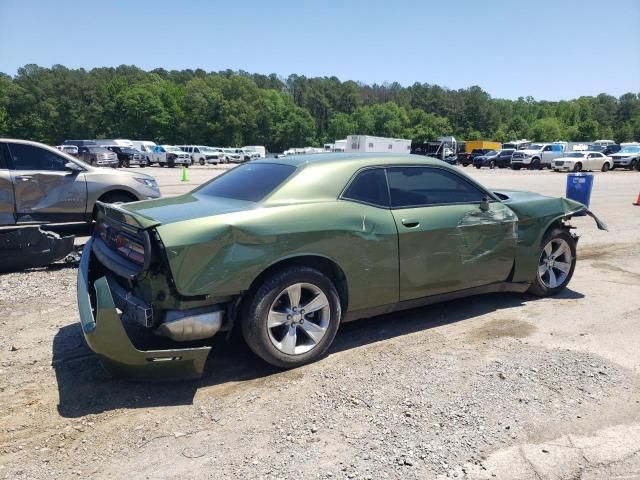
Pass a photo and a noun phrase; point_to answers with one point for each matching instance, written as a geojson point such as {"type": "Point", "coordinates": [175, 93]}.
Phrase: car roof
{"type": "Point", "coordinates": [321, 177]}
{"type": "Point", "coordinates": [357, 160]}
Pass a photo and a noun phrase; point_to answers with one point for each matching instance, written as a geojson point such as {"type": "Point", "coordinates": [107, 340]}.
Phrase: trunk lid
{"type": "Point", "coordinates": [162, 211]}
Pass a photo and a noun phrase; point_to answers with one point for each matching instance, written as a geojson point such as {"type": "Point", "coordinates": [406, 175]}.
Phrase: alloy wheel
{"type": "Point", "coordinates": [555, 263]}
{"type": "Point", "coordinates": [298, 318]}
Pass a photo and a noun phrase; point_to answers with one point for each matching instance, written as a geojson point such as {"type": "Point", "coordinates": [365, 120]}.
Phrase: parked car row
{"type": "Point", "coordinates": [556, 156]}
{"type": "Point", "coordinates": [127, 153]}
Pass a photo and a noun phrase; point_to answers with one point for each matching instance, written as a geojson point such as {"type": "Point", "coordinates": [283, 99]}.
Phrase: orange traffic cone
{"type": "Point", "coordinates": [637, 204]}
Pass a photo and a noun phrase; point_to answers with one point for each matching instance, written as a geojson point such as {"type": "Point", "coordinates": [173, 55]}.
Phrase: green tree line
{"type": "Point", "coordinates": [231, 108]}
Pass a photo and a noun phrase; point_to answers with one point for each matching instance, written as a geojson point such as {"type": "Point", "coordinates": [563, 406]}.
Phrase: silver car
{"type": "Point", "coordinates": [39, 184]}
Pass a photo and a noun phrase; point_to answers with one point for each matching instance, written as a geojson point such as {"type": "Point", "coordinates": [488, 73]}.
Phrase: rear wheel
{"type": "Point", "coordinates": [492, 164]}
{"type": "Point", "coordinates": [292, 318]}
{"type": "Point", "coordinates": [556, 263]}
{"type": "Point", "coordinates": [577, 167]}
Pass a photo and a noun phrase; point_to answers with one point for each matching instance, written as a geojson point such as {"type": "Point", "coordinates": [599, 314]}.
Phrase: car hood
{"type": "Point", "coordinates": [624, 154]}
{"type": "Point", "coordinates": [528, 152]}
{"type": "Point", "coordinates": [190, 206]}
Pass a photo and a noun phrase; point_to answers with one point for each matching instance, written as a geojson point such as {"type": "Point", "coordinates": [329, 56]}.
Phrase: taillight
{"type": "Point", "coordinates": [129, 248]}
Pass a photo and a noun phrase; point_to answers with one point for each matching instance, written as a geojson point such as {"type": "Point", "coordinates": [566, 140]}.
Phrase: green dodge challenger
{"type": "Point", "coordinates": [286, 249]}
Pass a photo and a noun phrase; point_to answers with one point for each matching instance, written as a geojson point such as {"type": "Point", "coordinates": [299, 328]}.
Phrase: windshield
{"type": "Point", "coordinates": [632, 149]}
{"type": "Point", "coordinates": [173, 149]}
{"type": "Point", "coordinates": [575, 155]}
{"type": "Point", "coordinates": [491, 152]}
{"type": "Point", "coordinates": [535, 146]}
{"type": "Point", "coordinates": [98, 150]}
{"type": "Point", "coordinates": [263, 178]}
{"type": "Point", "coordinates": [595, 148]}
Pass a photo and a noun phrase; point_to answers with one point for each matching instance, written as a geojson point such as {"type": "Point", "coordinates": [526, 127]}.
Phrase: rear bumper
{"type": "Point", "coordinates": [106, 336]}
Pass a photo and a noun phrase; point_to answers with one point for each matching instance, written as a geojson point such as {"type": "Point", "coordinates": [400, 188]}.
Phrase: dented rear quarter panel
{"type": "Point", "coordinates": [224, 254]}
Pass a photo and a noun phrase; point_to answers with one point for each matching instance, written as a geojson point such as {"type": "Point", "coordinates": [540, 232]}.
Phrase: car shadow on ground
{"type": "Point", "coordinates": [85, 388]}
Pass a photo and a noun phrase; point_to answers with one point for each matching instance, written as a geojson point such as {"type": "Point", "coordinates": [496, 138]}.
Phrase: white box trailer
{"type": "Point", "coordinates": [370, 144]}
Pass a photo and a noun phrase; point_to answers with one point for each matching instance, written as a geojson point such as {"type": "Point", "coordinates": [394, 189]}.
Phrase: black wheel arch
{"type": "Point", "coordinates": [325, 265]}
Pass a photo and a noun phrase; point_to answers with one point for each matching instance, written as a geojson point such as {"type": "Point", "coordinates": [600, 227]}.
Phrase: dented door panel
{"type": "Point", "coordinates": [49, 196]}
{"type": "Point", "coordinates": [454, 247]}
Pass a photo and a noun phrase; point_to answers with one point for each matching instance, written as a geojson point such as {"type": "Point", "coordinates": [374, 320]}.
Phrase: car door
{"type": "Point", "coordinates": [596, 160]}
{"type": "Point", "coordinates": [45, 190]}
{"type": "Point", "coordinates": [546, 155]}
{"type": "Point", "coordinates": [7, 203]}
{"type": "Point", "coordinates": [449, 238]}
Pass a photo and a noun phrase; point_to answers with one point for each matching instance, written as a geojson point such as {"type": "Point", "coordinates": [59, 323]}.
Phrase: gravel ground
{"type": "Point", "coordinates": [504, 385]}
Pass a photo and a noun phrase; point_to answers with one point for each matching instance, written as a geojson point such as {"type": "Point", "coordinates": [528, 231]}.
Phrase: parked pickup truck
{"type": "Point", "coordinates": [40, 185]}
{"type": "Point", "coordinates": [537, 156]}
{"type": "Point", "coordinates": [170, 156]}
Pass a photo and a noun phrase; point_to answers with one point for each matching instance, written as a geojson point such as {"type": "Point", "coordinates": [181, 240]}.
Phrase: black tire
{"type": "Point", "coordinates": [538, 286]}
{"type": "Point", "coordinates": [492, 164]}
{"type": "Point", "coordinates": [633, 165]}
{"type": "Point", "coordinates": [201, 161]}
{"type": "Point", "coordinates": [515, 167]}
{"type": "Point", "coordinates": [477, 166]}
{"type": "Point", "coordinates": [535, 164]}
{"type": "Point", "coordinates": [605, 167]}
{"type": "Point", "coordinates": [171, 163]}
{"type": "Point", "coordinates": [577, 167]}
{"type": "Point", "coordinates": [127, 164]}
{"type": "Point", "coordinates": [256, 309]}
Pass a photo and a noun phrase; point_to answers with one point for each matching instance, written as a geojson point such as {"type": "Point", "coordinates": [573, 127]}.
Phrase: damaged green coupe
{"type": "Point", "coordinates": [287, 249]}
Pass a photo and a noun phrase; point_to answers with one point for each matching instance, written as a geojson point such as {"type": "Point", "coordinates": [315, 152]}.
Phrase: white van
{"type": "Point", "coordinates": [256, 148]}
{"type": "Point", "coordinates": [145, 146]}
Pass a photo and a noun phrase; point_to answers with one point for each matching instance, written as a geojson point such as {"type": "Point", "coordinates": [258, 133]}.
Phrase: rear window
{"type": "Point", "coordinates": [250, 182]}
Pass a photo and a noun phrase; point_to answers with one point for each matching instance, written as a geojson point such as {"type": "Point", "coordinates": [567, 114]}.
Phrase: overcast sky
{"type": "Point", "coordinates": [545, 49]}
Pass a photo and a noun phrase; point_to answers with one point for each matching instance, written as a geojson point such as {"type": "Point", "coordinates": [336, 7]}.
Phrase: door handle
{"type": "Point", "coordinates": [24, 177]}
{"type": "Point", "coordinates": [410, 223]}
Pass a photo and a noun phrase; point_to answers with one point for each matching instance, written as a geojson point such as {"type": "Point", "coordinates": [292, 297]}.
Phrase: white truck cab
{"type": "Point", "coordinates": [537, 156]}
{"type": "Point", "coordinates": [169, 155]}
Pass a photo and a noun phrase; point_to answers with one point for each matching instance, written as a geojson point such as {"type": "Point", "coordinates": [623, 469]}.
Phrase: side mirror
{"type": "Point", "coordinates": [72, 167]}
{"type": "Point", "coordinates": [484, 204]}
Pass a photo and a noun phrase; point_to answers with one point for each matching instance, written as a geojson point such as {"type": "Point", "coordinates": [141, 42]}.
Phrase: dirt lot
{"type": "Point", "coordinates": [505, 385]}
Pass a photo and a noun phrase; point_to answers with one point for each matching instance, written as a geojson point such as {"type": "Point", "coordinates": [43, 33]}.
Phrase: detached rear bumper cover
{"type": "Point", "coordinates": [107, 337]}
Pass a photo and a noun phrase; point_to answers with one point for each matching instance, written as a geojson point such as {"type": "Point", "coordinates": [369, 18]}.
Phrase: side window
{"type": "Point", "coordinates": [29, 157]}
{"type": "Point", "coordinates": [421, 186]}
{"type": "Point", "coordinates": [3, 157]}
{"type": "Point", "coordinates": [547, 148]}
{"type": "Point", "coordinates": [369, 186]}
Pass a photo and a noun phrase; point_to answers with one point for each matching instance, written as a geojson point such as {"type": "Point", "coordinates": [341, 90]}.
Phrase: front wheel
{"type": "Point", "coordinates": [556, 263]}
{"type": "Point", "coordinates": [605, 167]}
{"type": "Point", "coordinates": [535, 165]}
{"type": "Point", "coordinates": [577, 167]}
{"type": "Point", "coordinates": [492, 164]}
{"type": "Point", "coordinates": [292, 318]}
{"type": "Point", "coordinates": [201, 161]}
